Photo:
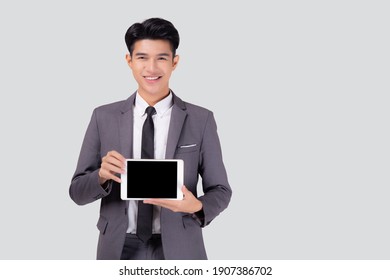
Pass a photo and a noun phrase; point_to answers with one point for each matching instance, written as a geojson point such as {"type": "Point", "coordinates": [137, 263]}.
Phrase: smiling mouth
{"type": "Point", "coordinates": [152, 78]}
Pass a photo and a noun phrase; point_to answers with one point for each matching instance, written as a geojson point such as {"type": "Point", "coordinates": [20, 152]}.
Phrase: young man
{"type": "Point", "coordinates": [181, 131]}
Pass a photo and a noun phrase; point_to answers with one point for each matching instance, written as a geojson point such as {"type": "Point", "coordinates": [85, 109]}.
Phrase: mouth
{"type": "Point", "coordinates": [152, 78]}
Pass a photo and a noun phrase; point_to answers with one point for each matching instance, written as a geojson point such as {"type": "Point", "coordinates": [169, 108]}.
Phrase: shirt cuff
{"type": "Point", "coordinates": [106, 186]}
{"type": "Point", "coordinates": [199, 217]}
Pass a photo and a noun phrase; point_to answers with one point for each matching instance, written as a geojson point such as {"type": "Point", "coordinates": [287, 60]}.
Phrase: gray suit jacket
{"type": "Point", "coordinates": [111, 128]}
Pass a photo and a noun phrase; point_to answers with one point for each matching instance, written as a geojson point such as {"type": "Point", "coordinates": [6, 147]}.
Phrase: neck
{"type": "Point", "coordinates": [153, 99]}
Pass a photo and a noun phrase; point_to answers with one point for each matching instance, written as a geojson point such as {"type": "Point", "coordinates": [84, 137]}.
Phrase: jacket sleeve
{"type": "Point", "coordinates": [216, 188]}
{"type": "Point", "coordinates": [85, 187]}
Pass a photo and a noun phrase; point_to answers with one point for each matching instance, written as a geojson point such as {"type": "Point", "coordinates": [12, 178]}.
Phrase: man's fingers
{"type": "Point", "coordinates": [188, 205]}
{"type": "Point", "coordinates": [116, 155]}
{"type": "Point", "coordinates": [173, 205]}
{"type": "Point", "coordinates": [185, 191]}
{"type": "Point", "coordinates": [115, 178]}
{"type": "Point", "coordinates": [107, 175]}
{"type": "Point", "coordinates": [113, 163]}
{"type": "Point", "coordinates": [112, 168]}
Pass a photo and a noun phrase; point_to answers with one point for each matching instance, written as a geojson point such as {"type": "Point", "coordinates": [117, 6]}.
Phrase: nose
{"type": "Point", "coordinates": [151, 66]}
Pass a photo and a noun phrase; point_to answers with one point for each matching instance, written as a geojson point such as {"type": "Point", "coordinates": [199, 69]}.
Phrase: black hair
{"type": "Point", "coordinates": [154, 29]}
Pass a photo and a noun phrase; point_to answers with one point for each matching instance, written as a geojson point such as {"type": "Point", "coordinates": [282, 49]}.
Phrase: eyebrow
{"type": "Point", "coordinates": [164, 54]}
{"type": "Point", "coordinates": [145, 54]}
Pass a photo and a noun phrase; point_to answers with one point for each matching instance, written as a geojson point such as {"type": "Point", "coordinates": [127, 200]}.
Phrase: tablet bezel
{"type": "Point", "coordinates": [180, 179]}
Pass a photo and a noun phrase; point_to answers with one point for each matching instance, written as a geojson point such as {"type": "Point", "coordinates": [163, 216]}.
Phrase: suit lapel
{"type": "Point", "coordinates": [126, 128]}
{"type": "Point", "coordinates": [126, 117]}
{"type": "Point", "coordinates": [178, 117]}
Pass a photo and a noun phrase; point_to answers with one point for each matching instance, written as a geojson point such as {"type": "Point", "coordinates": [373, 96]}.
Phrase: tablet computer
{"type": "Point", "coordinates": [152, 178]}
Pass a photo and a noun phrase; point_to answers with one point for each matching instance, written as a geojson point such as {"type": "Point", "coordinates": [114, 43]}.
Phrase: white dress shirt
{"type": "Point", "coordinates": [161, 122]}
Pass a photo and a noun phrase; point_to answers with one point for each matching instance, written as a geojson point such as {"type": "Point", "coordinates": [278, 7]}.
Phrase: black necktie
{"type": "Point", "coordinates": [145, 211]}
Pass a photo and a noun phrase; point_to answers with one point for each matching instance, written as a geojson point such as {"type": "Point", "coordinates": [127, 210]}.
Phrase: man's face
{"type": "Point", "coordinates": [152, 65]}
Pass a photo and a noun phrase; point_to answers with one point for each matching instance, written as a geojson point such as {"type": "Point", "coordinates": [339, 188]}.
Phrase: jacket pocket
{"type": "Point", "coordinates": [189, 222]}
{"type": "Point", "coordinates": [102, 224]}
{"type": "Point", "coordinates": [188, 148]}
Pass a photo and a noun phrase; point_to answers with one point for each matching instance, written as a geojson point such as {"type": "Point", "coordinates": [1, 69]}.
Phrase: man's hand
{"type": "Point", "coordinates": [189, 204]}
{"type": "Point", "coordinates": [113, 163]}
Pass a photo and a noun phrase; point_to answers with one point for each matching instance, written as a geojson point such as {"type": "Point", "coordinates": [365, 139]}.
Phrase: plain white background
{"type": "Point", "coordinates": [300, 92]}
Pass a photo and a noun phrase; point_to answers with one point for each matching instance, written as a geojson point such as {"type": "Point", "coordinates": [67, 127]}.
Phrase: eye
{"type": "Point", "coordinates": [141, 57]}
{"type": "Point", "coordinates": [162, 58]}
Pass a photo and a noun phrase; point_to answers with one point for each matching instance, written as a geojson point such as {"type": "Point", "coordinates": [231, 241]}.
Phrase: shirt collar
{"type": "Point", "coordinates": [161, 107]}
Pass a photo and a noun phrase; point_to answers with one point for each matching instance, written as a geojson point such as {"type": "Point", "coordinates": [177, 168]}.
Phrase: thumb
{"type": "Point", "coordinates": [185, 190]}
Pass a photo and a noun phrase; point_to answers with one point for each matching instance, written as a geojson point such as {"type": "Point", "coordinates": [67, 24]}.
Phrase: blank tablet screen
{"type": "Point", "coordinates": [151, 179]}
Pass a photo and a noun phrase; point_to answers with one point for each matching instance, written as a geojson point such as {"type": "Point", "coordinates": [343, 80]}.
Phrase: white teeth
{"type": "Point", "coordinates": [151, 78]}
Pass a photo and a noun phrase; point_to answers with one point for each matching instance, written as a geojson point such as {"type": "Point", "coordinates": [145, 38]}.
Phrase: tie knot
{"type": "Point", "coordinates": [150, 111]}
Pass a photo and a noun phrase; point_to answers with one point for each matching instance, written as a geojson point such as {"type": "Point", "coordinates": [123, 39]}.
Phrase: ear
{"type": "Point", "coordinates": [175, 61]}
{"type": "Point", "coordinates": [129, 61]}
